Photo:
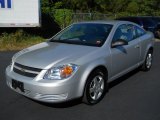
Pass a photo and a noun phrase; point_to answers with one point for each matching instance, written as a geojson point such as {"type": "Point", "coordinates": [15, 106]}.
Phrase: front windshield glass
{"type": "Point", "coordinates": [90, 34]}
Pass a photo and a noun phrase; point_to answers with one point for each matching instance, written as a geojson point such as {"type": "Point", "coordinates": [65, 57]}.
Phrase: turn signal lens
{"type": "Point", "coordinates": [66, 71]}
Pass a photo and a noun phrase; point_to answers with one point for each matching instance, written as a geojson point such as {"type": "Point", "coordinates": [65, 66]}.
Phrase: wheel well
{"type": "Point", "coordinates": [103, 68]}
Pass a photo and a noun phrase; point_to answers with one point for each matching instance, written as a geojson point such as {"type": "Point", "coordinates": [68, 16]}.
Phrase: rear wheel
{"type": "Point", "coordinates": [96, 87]}
{"type": "Point", "coordinates": [148, 61]}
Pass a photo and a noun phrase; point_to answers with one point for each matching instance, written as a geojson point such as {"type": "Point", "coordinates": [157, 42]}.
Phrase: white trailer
{"type": "Point", "coordinates": [20, 13]}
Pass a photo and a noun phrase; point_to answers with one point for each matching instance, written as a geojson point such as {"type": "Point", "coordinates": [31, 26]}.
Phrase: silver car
{"type": "Point", "coordinates": [80, 61]}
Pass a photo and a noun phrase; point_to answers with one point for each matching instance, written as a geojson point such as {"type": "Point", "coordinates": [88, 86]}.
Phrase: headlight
{"type": "Point", "coordinates": [12, 61]}
{"type": "Point", "coordinates": [61, 72]}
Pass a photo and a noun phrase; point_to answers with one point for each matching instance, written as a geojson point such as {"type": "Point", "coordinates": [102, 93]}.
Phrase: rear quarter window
{"type": "Point", "coordinates": [139, 31]}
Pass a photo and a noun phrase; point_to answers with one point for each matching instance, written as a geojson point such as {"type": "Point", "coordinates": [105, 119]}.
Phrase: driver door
{"type": "Point", "coordinates": [125, 58]}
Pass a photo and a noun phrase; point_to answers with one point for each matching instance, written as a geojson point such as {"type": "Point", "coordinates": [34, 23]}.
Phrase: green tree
{"type": "Point", "coordinates": [146, 7]}
{"type": "Point", "coordinates": [132, 7]}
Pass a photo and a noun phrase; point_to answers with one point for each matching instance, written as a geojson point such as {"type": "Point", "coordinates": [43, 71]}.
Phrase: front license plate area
{"type": "Point", "coordinates": [16, 84]}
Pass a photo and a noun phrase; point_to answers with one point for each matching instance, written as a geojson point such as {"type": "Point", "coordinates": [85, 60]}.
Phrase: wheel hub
{"type": "Point", "coordinates": [149, 60]}
{"type": "Point", "coordinates": [96, 87]}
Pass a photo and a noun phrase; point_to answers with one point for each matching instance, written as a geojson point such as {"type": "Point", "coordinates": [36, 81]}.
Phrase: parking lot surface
{"type": "Point", "coordinates": [135, 96]}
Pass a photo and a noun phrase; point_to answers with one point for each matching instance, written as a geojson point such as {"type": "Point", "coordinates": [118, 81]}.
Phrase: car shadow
{"type": "Point", "coordinates": [78, 101]}
{"type": "Point", "coordinates": [66, 104]}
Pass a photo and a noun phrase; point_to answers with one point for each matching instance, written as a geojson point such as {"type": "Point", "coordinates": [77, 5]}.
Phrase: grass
{"type": "Point", "coordinates": [18, 40]}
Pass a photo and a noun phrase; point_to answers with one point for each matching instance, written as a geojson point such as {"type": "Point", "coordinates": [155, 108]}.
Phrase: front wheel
{"type": "Point", "coordinates": [148, 61]}
{"type": "Point", "coordinates": [96, 87]}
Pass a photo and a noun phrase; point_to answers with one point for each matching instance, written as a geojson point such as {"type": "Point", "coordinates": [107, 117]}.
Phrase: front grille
{"type": "Point", "coordinates": [25, 70]}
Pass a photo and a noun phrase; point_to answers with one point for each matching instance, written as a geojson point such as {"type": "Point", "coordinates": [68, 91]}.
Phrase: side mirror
{"type": "Point", "coordinates": [119, 42]}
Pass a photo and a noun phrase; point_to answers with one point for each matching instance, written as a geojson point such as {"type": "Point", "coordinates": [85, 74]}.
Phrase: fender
{"type": "Point", "coordinates": [87, 69]}
{"type": "Point", "coordinates": [151, 45]}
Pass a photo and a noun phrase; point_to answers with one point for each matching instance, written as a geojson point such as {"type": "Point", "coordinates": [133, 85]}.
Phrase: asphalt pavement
{"type": "Point", "coordinates": [135, 96]}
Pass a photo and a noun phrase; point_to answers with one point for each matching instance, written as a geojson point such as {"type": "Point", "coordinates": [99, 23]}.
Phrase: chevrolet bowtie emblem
{"type": "Point", "coordinates": [23, 70]}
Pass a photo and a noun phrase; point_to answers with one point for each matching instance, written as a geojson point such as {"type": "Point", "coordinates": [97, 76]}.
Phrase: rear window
{"type": "Point", "coordinates": [139, 31]}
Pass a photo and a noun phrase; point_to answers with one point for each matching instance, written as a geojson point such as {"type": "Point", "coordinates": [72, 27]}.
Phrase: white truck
{"type": "Point", "coordinates": [20, 13]}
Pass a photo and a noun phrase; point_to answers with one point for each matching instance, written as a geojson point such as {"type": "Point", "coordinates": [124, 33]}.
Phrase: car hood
{"type": "Point", "coordinates": [47, 54]}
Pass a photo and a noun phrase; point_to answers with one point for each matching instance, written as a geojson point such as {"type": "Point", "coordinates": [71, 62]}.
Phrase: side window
{"type": "Point", "coordinates": [139, 31]}
{"type": "Point", "coordinates": [119, 34]}
{"type": "Point", "coordinates": [124, 32]}
{"type": "Point", "coordinates": [132, 30]}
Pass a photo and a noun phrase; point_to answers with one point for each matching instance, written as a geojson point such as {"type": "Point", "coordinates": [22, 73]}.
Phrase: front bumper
{"type": "Point", "coordinates": [45, 90]}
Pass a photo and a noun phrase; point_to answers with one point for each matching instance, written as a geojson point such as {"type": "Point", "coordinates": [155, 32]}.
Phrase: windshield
{"type": "Point", "coordinates": [90, 34]}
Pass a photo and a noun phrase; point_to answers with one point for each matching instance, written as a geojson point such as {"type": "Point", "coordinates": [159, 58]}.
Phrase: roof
{"type": "Point", "coordinates": [113, 22]}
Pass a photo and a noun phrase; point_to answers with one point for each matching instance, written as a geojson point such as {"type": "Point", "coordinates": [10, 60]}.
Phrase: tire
{"type": "Point", "coordinates": [146, 66]}
{"type": "Point", "coordinates": [95, 88]}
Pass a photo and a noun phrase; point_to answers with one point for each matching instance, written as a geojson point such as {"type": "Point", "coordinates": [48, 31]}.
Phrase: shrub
{"type": "Point", "coordinates": [63, 17]}
{"type": "Point", "coordinates": [17, 40]}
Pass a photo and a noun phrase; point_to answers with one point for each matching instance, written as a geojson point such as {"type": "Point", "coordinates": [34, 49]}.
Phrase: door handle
{"type": "Point", "coordinates": [137, 46]}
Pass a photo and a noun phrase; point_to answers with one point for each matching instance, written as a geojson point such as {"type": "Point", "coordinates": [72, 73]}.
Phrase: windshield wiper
{"type": "Point", "coordinates": [54, 40]}
{"type": "Point", "coordinates": [63, 41]}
